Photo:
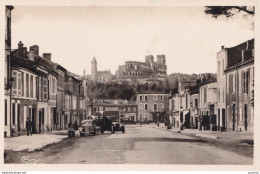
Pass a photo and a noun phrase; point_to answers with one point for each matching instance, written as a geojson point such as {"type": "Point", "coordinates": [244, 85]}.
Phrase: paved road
{"type": "Point", "coordinates": [139, 145]}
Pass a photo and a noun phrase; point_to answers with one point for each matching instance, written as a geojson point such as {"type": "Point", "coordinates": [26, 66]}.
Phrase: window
{"type": "Point", "coordinates": [40, 88]}
{"type": "Point", "coordinates": [14, 89]}
{"type": "Point", "coordinates": [146, 98]}
{"type": "Point", "coordinates": [145, 106]}
{"type": "Point", "coordinates": [240, 83]}
{"type": "Point", "coordinates": [45, 89]}
{"type": "Point", "coordinates": [205, 95]}
{"type": "Point", "coordinates": [173, 104]}
{"type": "Point", "coordinates": [155, 107]}
{"type": "Point", "coordinates": [17, 85]}
{"type": "Point", "coordinates": [234, 83]}
{"type": "Point", "coordinates": [196, 103]}
{"type": "Point", "coordinates": [161, 98]}
{"type": "Point", "coordinates": [140, 98]}
{"type": "Point", "coordinates": [13, 118]}
{"type": "Point", "coordinates": [53, 85]}
{"type": "Point", "coordinates": [22, 83]}
{"type": "Point", "coordinates": [27, 85]}
{"type": "Point", "coordinates": [245, 84]}
{"type": "Point", "coordinates": [186, 98]}
{"type": "Point", "coordinates": [230, 79]}
{"type": "Point", "coordinates": [5, 112]}
{"type": "Point", "coordinates": [155, 98]}
{"type": "Point", "coordinates": [31, 86]}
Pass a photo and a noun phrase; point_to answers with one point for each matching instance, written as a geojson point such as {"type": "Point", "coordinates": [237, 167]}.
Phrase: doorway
{"type": "Point", "coordinates": [245, 116]}
{"type": "Point", "coordinates": [34, 120]}
{"type": "Point", "coordinates": [233, 117]}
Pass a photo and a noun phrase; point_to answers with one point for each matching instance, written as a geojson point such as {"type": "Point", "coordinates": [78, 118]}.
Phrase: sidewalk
{"type": "Point", "coordinates": [230, 136]}
{"type": "Point", "coordinates": [34, 142]}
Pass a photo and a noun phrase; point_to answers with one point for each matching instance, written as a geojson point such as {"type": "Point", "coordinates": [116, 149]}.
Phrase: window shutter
{"type": "Point", "coordinates": [19, 84]}
{"type": "Point", "coordinates": [14, 87]}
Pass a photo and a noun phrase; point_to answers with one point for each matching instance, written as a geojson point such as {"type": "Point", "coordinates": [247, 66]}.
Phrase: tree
{"type": "Point", "coordinates": [229, 11]}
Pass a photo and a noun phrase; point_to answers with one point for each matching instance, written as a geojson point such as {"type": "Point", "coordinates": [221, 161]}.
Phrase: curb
{"type": "Point", "coordinates": [192, 134]}
{"type": "Point", "coordinates": [39, 148]}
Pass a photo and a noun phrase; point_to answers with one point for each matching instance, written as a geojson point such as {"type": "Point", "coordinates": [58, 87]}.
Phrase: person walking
{"type": "Point", "coordinates": [29, 126]}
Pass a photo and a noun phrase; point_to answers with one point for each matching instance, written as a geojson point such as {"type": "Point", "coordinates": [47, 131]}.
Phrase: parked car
{"type": "Point", "coordinates": [116, 126]}
{"type": "Point", "coordinates": [89, 127]}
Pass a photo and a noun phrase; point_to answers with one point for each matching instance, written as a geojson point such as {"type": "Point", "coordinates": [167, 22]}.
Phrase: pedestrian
{"type": "Point", "coordinates": [75, 126]}
{"type": "Point", "coordinates": [141, 123]}
{"type": "Point", "coordinates": [69, 125]}
{"type": "Point", "coordinates": [29, 126]}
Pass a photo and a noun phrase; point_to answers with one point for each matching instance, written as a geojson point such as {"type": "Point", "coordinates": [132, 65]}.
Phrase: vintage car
{"type": "Point", "coordinates": [89, 127]}
{"type": "Point", "coordinates": [117, 126]}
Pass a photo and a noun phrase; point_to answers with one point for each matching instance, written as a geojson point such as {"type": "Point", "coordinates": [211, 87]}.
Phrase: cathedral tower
{"type": "Point", "coordinates": [94, 69]}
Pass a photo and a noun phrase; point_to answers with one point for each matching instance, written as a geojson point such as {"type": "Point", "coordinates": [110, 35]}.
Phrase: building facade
{"type": "Point", "coordinates": [124, 110]}
{"type": "Point", "coordinates": [239, 87]}
{"type": "Point", "coordinates": [139, 72]}
{"type": "Point", "coordinates": [208, 106]}
{"type": "Point", "coordinates": [153, 107]}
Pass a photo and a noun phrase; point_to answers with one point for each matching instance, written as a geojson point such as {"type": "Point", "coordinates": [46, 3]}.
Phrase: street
{"type": "Point", "coordinates": [139, 145]}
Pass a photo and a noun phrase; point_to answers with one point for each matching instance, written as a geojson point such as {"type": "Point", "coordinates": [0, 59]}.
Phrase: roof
{"type": "Point", "coordinates": [94, 60]}
{"type": "Point", "coordinates": [25, 63]}
{"type": "Point", "coordinates": [49, 65]}
{"type": "Point", "coordinates": [174, 91]}
{"type": "Point", "coordinates": [234, 54]}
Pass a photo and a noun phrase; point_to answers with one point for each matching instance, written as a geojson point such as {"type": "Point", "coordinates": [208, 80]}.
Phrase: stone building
{"type": "Point", "coordinates": [100, 76]}
{"type": "Point", "coordinates": [23, 97]}
{"type": "Point", "coordinates": [208, 106]}
{"type": "Point", "coordinates": [239, 73]}
{"type": "Point", "coordinates": [61, 80]}
{"type": "Point", "coordinates": [153, 107]}
{"type": "Point", "coordinates": [138, 72]}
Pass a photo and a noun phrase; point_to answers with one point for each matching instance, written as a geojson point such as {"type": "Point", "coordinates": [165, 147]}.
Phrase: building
{"type": "Point", "coordinates": [123, 109]}
{"type": "Point", "coordinates": [153, 107]}
{"type": "Point", "coordinates": [100, 76]}
{"type": "Point", "coordinates": [195, 105]}
{"type": "Point", "coordinates": [51, 121]}
{"type": "Point", "coordinates": [208, 94]}
{"type": "Point", "coordinates": [61, 80]}
{"type": "Point", "coordinates": [138, 72]}
{"type": "Point", "coordinates": [221, 80]}
{"type": "Point", "coordinates": [239, 73]}
{"type": "Point", "coordinates": [8, 80]}
{"type": "Point", "coordinates": [24, 96]}
{"type": "Point", "coordinates": [174, 107]}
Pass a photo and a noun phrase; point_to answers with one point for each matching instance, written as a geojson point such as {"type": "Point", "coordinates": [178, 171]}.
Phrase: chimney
{"type": "Point", "coordinates": [47, 56]}
{"type": "Point", "coordinates": [35, 49]}
{"type": "Point", "coordinates": [20, 48]}
{"type": "Point", "coordinates": [31, 55]}
{"type": "Point", "coordinates": [243, 55]}
{"type": "Point", "coordinates": [222, 47]}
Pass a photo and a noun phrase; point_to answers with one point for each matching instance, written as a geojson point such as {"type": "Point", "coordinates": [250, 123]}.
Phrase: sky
{"type": "Point", "coordinates": [188, 37]}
